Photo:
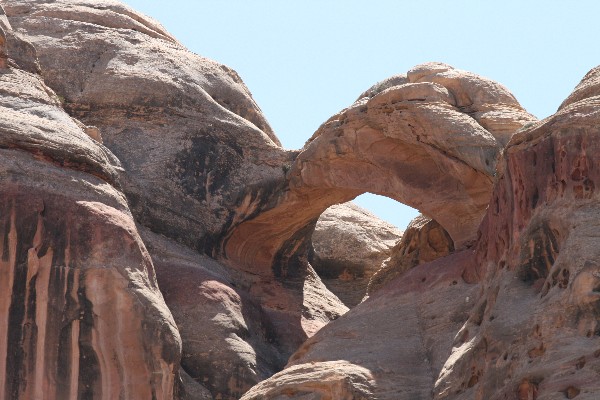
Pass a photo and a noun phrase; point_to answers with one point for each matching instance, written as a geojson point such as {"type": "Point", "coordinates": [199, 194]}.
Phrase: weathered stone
{"type": "Point", "coordinates": [197, 154]}
{"type": "Point", "coordinates": [348, 246]}
{"type": "Point", "coordinates": [186, 128]}
{"type": "Point", "coordinates": [402, 336]}
{"type": "Point", "coordinates": [538, 263]}
{"type": "Point", "coordinates": [339, 380]}
{"type": "Point", "coordinates": [515, 316]}
{"type": "Point", "coordinates": [406, 142]}
{"type": "Point", "coordinates": [81, 313]}
{"type": "Point", "coordinates": [508, 308]}
{"type": "Point", "coordinates": [192, 390]}
{"type": "Point", "coordinates": [588, 88]}
{"type": "Point", "coordinates": [3, 52]}
{"type": "Point", "coordinates": [423, 241]}
{"type": "Point", "coordinates": [229, 344]}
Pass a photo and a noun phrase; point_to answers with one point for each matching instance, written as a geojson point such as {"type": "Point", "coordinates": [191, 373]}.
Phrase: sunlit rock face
{"type": "Point", "coordinates": [81, 315]}
{"type": "Point", "coordinates": [536, 329]}
{"type": "Point", "coordinates": [516, 316]}
{"type": "Point", "coordinates": [129, 164]}
{"type": "Point", "coordinates": [185, 128]}
{"type": "Point", "coordinates": [430, 141]}
{"type": "Point", "coordinates": [190, 143]}
{"type": "Point", "coordinates": [419, 142]}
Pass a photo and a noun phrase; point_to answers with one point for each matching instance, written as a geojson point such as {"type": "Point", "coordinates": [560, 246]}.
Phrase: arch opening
{"type": "Point", "coordinates": [351, 241]}
{"type": "Point", "coordinates": [386, 209]}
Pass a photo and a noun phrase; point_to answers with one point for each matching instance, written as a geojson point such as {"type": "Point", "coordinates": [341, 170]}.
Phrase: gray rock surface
{"type": "Point", "coordinates": [389, 347]}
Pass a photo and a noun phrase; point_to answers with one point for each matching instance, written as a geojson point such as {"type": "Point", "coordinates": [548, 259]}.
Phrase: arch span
{"type": "Point", "coordinates": [429, 139]}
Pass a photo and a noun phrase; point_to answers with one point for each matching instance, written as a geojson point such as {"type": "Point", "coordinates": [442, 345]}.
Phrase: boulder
{"type": "Point", "coordinates": [348, 246]}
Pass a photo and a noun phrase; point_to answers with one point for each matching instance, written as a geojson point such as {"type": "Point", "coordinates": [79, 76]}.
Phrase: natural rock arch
{"type": "Point", "coordinates": [429, 139]}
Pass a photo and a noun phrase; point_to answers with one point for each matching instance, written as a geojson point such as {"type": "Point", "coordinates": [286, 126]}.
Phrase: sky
{"type": "Point", "coordinates": [306, 60]}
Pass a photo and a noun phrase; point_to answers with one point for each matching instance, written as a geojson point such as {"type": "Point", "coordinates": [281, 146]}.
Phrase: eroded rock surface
{"type": "Point", "coordinates": [229, 344]}
{"type": "Point", "coordinates": [193, 148]}
{"type": "Point", "coordinates": [391, 346]}
{"type": "Point", "coordinates": [431, 143]}
{"type": "Point", "coordinates": [423, 241]}
{"type": "Point", "coordinates": [348, 246]}
{"type": "Point", "coordinates": [185, 128]}
{"type": "Point", "coordinates": [81, 313]}
{"type": "Point", "coordinates": [516, 316]}
{"type": "Point", "coordinates": [108, 122]}
{"type": "Point", "coordinates": [536, 331]}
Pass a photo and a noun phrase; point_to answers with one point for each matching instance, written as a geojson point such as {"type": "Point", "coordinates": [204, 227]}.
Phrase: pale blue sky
{"type": "Point", "coordinates": [305, 60]}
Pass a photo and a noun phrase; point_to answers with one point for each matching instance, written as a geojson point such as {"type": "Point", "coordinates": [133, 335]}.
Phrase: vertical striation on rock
{"type": "Point", "coordinates": [121, 151]}
{"type": "Point", "coordinates": [81, 313]}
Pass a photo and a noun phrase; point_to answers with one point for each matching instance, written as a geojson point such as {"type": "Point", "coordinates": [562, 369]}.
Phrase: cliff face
{"type": "Point", "coordinates": [81, 312]}
{"type": "Point", "coordinates": [136, 175]}
{"type": "Point", "coordinates": [191, 147]}
{"type": "Point", "coordinates": [537, 325]}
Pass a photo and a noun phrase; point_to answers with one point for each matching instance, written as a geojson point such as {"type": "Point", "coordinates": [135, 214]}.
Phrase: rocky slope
{"type": "Point", "coordinates": [137, 175]}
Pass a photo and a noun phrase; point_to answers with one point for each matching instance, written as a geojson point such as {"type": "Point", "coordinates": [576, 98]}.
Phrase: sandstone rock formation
{"type": "Point", "coordinates": [515, 317]}
{"type": "Point", "coordinates": [424, 240]}
{"type": "Point", "coordinates": [229, 343]}
{"type": "Point", "coordinates": [348, 246]}
{"type": "Point", "coordinates": [537, 325]}
{"type": "Point", "coordinates": [441, 128]}
{"type": "Point", "coordinates": [391, 346]}
{"type": "Point", "coordinates": [123, 152]}
{"type": "Point", "coordinates": [81, 313]}
{"type": "Point", "coordinates": [3, 52]}
{"type": "Point", "coordinates": [185, 128]}
{"type": "Point", "coordinates": [193, 147]}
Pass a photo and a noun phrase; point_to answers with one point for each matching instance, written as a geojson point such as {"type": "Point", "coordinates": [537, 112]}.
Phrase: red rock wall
{"type": "Point", "coordinates": [77, 317]}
